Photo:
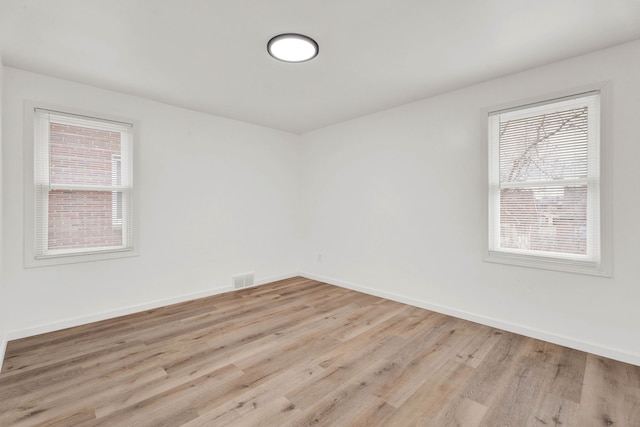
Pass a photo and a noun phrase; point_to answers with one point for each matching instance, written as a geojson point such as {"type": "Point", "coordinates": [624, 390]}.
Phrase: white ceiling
{"type": "Point", "coordinates": [210, 55]}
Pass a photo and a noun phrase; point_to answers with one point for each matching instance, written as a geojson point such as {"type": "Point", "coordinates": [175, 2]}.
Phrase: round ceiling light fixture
{"type": "Point", "coordinates": [292, 48]}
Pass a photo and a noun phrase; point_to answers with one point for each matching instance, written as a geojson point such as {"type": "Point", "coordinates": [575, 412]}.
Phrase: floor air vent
{"type": "Point", "coordinates": [242, 280]}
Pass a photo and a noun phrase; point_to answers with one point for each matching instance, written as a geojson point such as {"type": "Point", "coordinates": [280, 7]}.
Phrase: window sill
{"type": "Point", "coordinates": [73, 258]}
{"type": "Point", "coordinates": [567, 266]}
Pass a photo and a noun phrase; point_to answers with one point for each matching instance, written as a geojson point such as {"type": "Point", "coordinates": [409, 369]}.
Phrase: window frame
{"type": "Point", "coordinates": [31, 218]}
{"type": "Point", "coordinates": [534, 259]}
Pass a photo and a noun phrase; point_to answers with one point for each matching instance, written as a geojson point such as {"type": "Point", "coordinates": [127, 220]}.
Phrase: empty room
{"type": "Point", "coordinates": [320, 213]}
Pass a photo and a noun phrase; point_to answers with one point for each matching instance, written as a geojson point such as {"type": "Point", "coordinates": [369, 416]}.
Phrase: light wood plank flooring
{"type": "Point", "coordinates": [303, 353]}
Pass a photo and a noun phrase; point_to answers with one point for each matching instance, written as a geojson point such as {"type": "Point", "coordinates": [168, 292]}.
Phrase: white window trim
{"type": "Point", "coordinates": [534, 260]}
{"type": "Point", "coordinates": [30, 217]}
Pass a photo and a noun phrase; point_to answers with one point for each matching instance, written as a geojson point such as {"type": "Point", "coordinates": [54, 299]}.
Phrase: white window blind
{"type": "Point", "coordinates": [83, 185]}
{"type": "Point", "coordinates": [544, 180]}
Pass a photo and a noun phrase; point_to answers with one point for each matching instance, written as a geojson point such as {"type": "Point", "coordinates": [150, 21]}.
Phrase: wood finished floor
{"type": "Point", "coordinates": [300, 353]}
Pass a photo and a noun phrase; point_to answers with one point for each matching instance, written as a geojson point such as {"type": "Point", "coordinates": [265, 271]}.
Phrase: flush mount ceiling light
{"type": "Point", "coordinates": [292, 48]}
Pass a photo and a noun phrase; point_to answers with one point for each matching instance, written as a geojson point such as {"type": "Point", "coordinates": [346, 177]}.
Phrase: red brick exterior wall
{"type": "Point", "coordinates": [82, 219]}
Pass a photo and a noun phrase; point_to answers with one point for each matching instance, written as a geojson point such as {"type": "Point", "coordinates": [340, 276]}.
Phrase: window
{"type": "Point", "coordinates": [545, 184]}
{"type": "Point", "coordinates": [82, 188]}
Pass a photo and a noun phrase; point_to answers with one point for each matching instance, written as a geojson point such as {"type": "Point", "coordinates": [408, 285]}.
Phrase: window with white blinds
{"type": "Point", "coordinates": [544, 181]}
{"type": "Point", "coordinates": [83, 185]}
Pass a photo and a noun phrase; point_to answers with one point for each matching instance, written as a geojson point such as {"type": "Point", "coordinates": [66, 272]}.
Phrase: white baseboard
{"type": "Point", "coordinates": [612, 353]}
{"type": "Point", "coordinates": [275, 278]}
{"type": "Point", "coordinates": [83, 320]}
{"type": "Point", "coordinates": [3, 348]}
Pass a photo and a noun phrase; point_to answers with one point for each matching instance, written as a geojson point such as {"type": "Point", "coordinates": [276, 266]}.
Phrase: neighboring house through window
{"type": "Point", "coordinates": [82, 189]}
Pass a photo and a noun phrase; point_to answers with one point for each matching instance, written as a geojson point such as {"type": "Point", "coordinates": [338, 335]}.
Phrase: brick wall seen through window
{"type": "Point", "coordinates": [82, 219]}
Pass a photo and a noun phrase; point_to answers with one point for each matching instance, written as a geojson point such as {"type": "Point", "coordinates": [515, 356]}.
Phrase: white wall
{"type": "Point", "coordinates": [216, 197]}
{"type": "Point", "coordinates": [3, 337]}
{"type": "Point", "coordinates": [395, 204]}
